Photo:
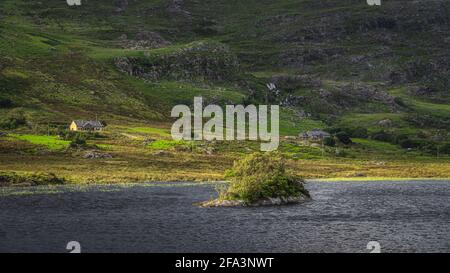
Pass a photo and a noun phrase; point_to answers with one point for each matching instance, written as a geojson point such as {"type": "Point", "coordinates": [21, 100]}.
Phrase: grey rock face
{"type": "Point", "coordinates": [176, 7]}
{"type": "Point", "coordinates": [201, 61]}
{"type": "Point", "coordinates": [121, 5]}
{"type": "Point", "coordinates": [303, 56]}
{"type": "Point", "coordinates": [385, 123]}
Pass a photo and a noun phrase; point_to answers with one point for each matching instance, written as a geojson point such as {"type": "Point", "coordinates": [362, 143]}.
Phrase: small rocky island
{"type": "Point", "coordinates": [260, 179]}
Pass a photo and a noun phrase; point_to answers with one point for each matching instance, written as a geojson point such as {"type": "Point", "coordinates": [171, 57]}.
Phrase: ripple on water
{"type": "Point", "coordinates": [404, 216]}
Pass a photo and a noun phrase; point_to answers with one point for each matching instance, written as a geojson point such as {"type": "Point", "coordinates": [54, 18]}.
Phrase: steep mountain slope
{"type": "Point", "coordinates": [336, 63]}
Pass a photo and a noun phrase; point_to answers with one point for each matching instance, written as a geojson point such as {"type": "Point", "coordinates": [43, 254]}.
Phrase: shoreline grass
{"type": "Point", "coordinates": [375, 179]}
{"type": "Point", "coordinates": [22, 190]}
{"type": "Point", "coordinates": [148, 155]}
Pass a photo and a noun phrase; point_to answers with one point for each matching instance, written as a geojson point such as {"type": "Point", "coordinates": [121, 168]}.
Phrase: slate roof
{"type": "Point", "coordinates": [86, 124]}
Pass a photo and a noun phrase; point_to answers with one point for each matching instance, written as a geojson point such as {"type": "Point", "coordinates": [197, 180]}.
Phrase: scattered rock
{"type": "Point", "coordinates": [96, 155]}
{"type": "Point", "coordinates": [183, 148]}
{"type": "Point", "coordinates": [303, 56]}
{"type": "Point", "coordinates": [148, 141]}
{"type": "Point", "coordinates": [160, 153]}
{"type": "Point", "coordinates": [121, 5]}
{"type": "Point", "coordinates": [278, 20]}
{"type": "Point", "coordinates": [208, 150]}
{"type": "Point", "coordinates": [385, 123]}
{"type": "Point", "coordinates": [200, 60]}
{"type": "Point", "coordinates": [292, 82]}
{"type": "Point", "coordinates": [176, 7]}
{"type": "Point", "coordinates": [143, 40]}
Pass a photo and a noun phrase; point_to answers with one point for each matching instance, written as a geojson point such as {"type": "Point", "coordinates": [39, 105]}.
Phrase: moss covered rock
{"type": "Point", "coordinates": [34, 179]}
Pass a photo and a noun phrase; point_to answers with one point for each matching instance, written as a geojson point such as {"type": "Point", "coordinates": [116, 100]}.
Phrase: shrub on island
{"type": "Point", "coordinates": [260, 179]}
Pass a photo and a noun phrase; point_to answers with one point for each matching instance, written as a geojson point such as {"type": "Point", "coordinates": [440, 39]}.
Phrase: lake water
{"type": "Point", "coordinates": [406, 216]}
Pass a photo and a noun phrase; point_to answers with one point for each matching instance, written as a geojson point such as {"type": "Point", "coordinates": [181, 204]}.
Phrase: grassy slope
{"type": "Point", "coordinates": [57, 63]}
{"type": "Point", "coordinates": [55, 31]}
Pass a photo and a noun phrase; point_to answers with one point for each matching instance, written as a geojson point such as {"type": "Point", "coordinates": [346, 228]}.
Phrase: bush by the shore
{"type": "Point", "coordinates": [262, 176]}
{"type": "Point", "coordinates": [25, 179]}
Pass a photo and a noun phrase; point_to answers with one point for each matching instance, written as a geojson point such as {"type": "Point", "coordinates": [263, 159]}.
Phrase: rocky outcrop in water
{"type": "Point", "coordinates": [264, 202]}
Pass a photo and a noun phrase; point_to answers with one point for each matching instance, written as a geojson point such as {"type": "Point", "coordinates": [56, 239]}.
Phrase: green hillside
{"type": "Point", "coordinates": [379, 74]}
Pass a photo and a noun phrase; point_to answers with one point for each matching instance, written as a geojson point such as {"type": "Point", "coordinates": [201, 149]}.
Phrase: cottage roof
{"type": "Point", "coordinates": [88, 124]}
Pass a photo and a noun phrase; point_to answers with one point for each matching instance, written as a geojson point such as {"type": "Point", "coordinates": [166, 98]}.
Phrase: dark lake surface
{"type": "Point", "coordinates": [403, 216]}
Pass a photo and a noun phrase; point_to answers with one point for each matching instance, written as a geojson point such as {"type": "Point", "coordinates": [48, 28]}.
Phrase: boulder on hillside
{"type": "Point", "coordinates": [176, 7]}
{"type": "Point", "coordinates": [96, 155]}
{"type": "Point", "coordinates": [385, 123]}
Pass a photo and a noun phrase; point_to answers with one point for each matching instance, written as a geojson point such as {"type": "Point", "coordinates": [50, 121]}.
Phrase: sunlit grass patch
{"type": "Point", "coordinates": [109, 53]}
{"type": "Point", "coordinates": [302, 151]}
{"type": "Point", "coordinates": [170, 144]}
{"type": "Point", "coordinates": [291, 124]}
{"type": "Point", "coordinates": [371, 120]}
{"type": "Point", "coordinates": [150, 131]}
{"type": "Point", "coordinates": [51, 142]}
{"type": "Point", "coordinates": [376, 145]}
{"type": "Point", "coordinates": [105, 146]}
{"type": "Point", "coordinates": [420, 105]}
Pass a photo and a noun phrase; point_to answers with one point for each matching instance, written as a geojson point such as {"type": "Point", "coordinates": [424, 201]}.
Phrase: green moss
{"type": "Point", "coordinates": [29, 179]}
